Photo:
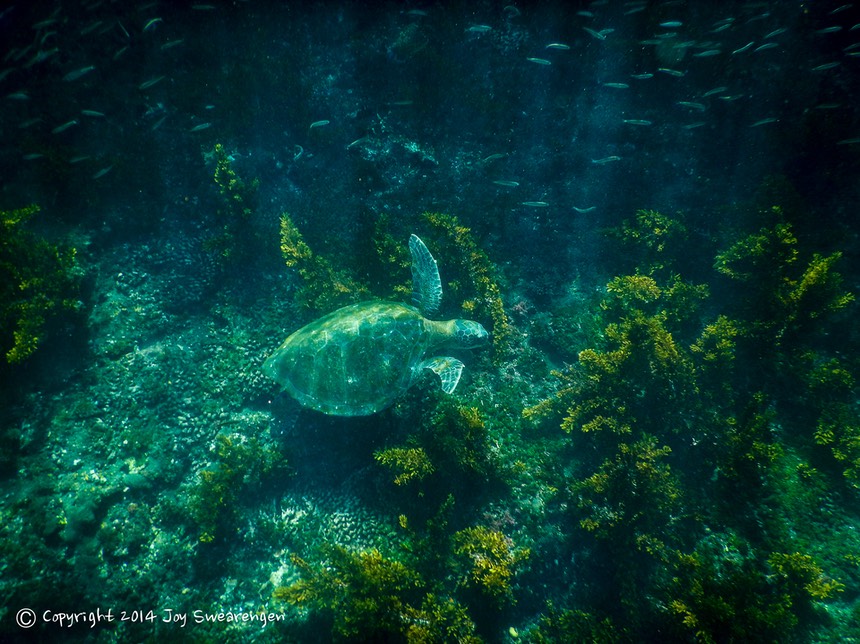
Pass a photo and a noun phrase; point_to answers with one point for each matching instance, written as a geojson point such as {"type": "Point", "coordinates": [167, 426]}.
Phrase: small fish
{"type": "Point", "coordinates": [64, 126]}
{"type": "Point", "coordinates": [693, 106]}
{"type": "Point", "coordinates": [102, 172]}
{"type": "Point", "coordinates": [829, 30]}
{"type": "Point", "coordinates": [644, 76]}
{"type": "Point", "coordinates": [630, 12]}
{"type": "Point", "coordinates": [766, 121]}
{"type": "Point", "coordinates": [535, 204]}
{"type": "Point", "coordinates": [75, 160]}
{"type": "Point", "coordinates": [158, 123]}
{"type": "Point", "coordinates": [767, 45]}
{"type": "Point", "coordinates": [775, 33]}
{"type": "Point", "coordinates": [637, 122]}
{"type": "Point", "coordinates": [493, 157]}
{"type": "Point", "coordinates": [172, 43]}
{"type": "Point", "coordinates": [478, 29]}
{"type": "Point", "coordinates": [828, 106]}
{"type": "Point", "coordinates": [595, 34]}
{"type": "Point", "coordinates": [41, 57]}
{"type": "Point", "coordinates": [44, 23]}
{"type": "Point", "coordinates": [693, 126]}
{"type": "Point", "coordinates": [720, 28]}
{"type": "Point", "coordinates": [585, 14]}
{"type": "Point", "coordinates": [356, 142]}
{"type": "Point", "coordinates": [30, 122]}
{"type": "Point", "coordinates": [91, 27]}
{"type": "Point", "coordinates": [150, 24]}
{"type": "Point", "coordinates": [821, 68]}
{"type": "Point", "coordinates": [557, 45]}
{"type": "Point", "coordinates": [605, 160]}
{"type": "Point", "coordinates": [729, 98]}
{"type": "Point", "coordinates": [671, 24]}
{"type": "Point", "coordinates": [708, 53]}
{"type": "Point", "coordinates": [150, 82]}
{"type": "Point", "coordinates": [840, 9]}
{"type": "Point", "coordinates": [617, 85]}
{"type": "Point", "coordinates": [203, 7]}
{"type": "Point", "coordinates": [671, 72]}
{"type": "Point", "coordinates": [18, 96]}
{"type": "Point", "coordinates": [93, 114]}
{"type": "Point", "coordinates": [78, 73]}
{"type": "Point", "coordinates": [716, 90]}
{"type": "Point", "coordinates": [33, 156]}
{"type": "Point", "coordinates": [201, 127]}
{"type": "Point", "coordinates": [744, 48]}
{"type": "Point", "coordinates": [319, 124]}
{"type": "Point", "coordinates": [584, 210]}
{"type": "Point", "coordinates": [853, 141]}
{"type": "Point", "coordinates": [120, 52]}
{"type": "Point", "coordinates": [539, 61]}
{"type": "Point", "coordinates": [507, 184]}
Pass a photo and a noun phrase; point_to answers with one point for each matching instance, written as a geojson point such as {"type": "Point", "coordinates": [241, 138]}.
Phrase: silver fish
{"type": "Point", "coordinates": [78, 73]}
{"type": "Point", "coordinates": [64, 126]}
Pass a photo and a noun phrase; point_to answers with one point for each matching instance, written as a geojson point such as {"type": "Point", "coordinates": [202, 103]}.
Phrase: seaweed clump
{"type": "Point", "coordinates": [324, 287]}
{"type": "Point", "coordinates": [684, 397]}
{"type": "Point", "coordinates": [230, 240]}
{"type": "Point", "coordinates": [39, 280]}
{"type": "Point", "coordinates": [366, 595]}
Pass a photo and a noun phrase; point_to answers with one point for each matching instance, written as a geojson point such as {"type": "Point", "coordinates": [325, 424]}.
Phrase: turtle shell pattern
{"type": "Point", "coordinates": [355, 361]}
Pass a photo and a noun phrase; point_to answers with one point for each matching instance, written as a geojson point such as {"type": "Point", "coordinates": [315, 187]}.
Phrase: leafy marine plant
{"type": "Point", "coordinates": [782, 300]}
{"type": "Point", "coordinates": [230, 240]}
{"type": "Point", "coordinates": [324, 287]}
{"type": "Point", "coordinates": [676, 400]}
{"type": "Point", "coordinates": [238, 466]}
{"type": "Point", "coordinates": [490, 560]}
{"type": "Point", "coordinates": [406, 463]}
{"type": "Point", "coordinates": [39, 280]}
{"type": "Point", "coordinates": [726, 591]}
{"type": "Point", "coordinates": [366, 595]}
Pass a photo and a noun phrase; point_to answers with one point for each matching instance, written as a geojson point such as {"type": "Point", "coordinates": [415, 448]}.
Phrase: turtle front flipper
{"type": "Point", "coordinates": [426, 283]}
{"type": "Point", "coordinates": [447, 368]}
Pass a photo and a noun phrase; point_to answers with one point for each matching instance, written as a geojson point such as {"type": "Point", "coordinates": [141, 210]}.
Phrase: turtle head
{"type": "Point", "coordinates": [469, 334]}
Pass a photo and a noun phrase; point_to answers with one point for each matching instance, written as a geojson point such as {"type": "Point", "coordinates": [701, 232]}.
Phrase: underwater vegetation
{"type": "Point", "coordinates": [230, 238]}
{"type": "Point", "coordinates": [324, 288]}
{"type": "Point", "coordinates": [663, 443]}
{"type": "Point", "coordinates": [39, 281]}
{"type": "Point", "coordinates": [666, 399]}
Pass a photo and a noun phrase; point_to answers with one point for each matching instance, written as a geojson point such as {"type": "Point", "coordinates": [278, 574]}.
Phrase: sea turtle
{"type": "Point", "coordinates": [357, 360]}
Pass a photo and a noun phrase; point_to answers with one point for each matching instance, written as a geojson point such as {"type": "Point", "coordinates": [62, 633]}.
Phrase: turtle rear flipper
{"type": "Point", "coordinates": [426, 283]}
{"type": "Point", "coordinates": [447, 368]}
